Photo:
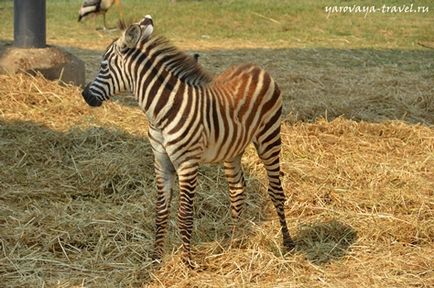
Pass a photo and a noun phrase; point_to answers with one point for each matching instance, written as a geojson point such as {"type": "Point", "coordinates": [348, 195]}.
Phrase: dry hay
{"type": "Point", "coordinates": [77, 193]}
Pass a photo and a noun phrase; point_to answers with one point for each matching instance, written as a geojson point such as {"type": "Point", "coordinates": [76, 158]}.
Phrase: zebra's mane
{"type": "Point", "coordinates": [184, 66]}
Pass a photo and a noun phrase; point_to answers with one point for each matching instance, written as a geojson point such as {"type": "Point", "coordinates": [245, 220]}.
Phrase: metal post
{"type": "Point", "coordinates": [29, 23]}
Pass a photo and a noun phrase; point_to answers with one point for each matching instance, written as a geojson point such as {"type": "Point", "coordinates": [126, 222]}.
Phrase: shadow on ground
{"type": "Point", "coordinates": [65, 196]}
{"type": "Point", "coordinates": [324, 242]}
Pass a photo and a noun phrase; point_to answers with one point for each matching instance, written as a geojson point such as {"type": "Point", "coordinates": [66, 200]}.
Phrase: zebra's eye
{"type": "Point", "coordinates": [104, 65]}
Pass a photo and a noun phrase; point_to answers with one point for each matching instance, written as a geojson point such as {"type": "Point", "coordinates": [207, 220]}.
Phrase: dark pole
{"type": "Point", "coordinates": [29, 23]}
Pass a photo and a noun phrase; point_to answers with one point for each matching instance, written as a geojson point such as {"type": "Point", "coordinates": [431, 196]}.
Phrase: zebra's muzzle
{"type": "Point", "coordinates": [90, 98]}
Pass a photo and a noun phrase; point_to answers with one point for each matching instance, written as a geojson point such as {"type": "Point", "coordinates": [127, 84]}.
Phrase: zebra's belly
{"type": "Point", "coordinates": [226, 151]}
{"type": "Point", "coordinates": [210, 155]}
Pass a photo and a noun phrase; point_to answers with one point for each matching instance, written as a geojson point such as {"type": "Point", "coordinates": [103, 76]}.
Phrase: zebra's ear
{"type": "Point", "coordinates": [139, 31]}
{"type": "Point", "coordinates": [146, 21]}
{"type": "Point", "coordinates": [147, 26]}
{"type": "Point", "coordinates": [132, 36]}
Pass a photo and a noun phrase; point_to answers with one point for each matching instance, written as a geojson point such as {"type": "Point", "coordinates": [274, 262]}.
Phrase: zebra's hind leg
{"type": "Point", "coordinates": [268, 147]}
{"type": "Point", "coordinates": [187, 175]}
{"type": "Point", "coordinates": [235, 178]}
{"type": "Point", "coordinates": [165, 176]}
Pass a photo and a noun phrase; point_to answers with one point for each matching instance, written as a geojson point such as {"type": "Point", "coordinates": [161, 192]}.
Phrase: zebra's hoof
{"type": "Point", "coordinates": [156, 258]}
{"type": "Point", "coordinates": [190, 264]}
{"type": "Point", "coordinates": [289, 245]}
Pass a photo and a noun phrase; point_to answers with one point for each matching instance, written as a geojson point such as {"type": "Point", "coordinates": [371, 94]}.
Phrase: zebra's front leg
{"type": "Point", "coordinates": [187, 175]}
{"type": "Point", "coordinates": [165, 176]}
{"type": "Point", "coordinates": [235, 178]}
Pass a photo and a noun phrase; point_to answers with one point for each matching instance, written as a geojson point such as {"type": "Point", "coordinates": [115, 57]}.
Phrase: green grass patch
{"type": "Point", "coordinates": [273, 23]}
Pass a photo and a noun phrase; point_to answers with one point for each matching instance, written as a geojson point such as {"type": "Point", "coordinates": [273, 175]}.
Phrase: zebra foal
{"type": "Point", "coordinates": [193, 119]}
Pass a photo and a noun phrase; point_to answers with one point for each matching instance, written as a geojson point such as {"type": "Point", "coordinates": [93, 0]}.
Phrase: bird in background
{"type": "Point", "coordinates": [95, 7]}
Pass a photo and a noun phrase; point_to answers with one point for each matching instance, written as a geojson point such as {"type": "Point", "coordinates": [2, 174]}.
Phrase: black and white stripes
{"type": "Point", "coordinates": [194, 118]}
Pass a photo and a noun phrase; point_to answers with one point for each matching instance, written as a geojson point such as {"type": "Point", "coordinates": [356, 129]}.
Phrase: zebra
{"type": "Point", "coordinates": [194, 118]}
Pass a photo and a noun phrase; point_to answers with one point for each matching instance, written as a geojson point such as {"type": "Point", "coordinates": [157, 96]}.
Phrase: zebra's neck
{"type": "Point", "coordinates": [158, 70]}
{"type": "Point", "coordinates": [158, 51]}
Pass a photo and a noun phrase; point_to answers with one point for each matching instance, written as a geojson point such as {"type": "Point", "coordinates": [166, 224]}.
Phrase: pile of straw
{"type": "Point", "coordinates": [77, 201]}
